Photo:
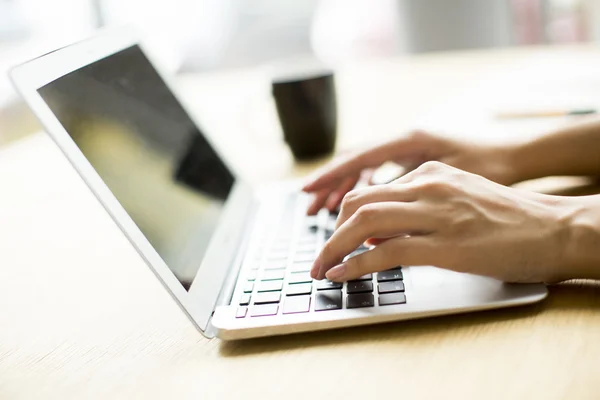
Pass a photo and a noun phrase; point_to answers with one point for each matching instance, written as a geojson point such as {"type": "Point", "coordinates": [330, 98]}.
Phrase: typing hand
{"type": "Point", "coordinates": [442, 216]}
{"type": "Point", "coordinates": [330, 184]}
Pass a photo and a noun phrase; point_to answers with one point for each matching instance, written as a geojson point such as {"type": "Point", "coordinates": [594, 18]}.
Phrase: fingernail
{"type": "Point", "coordinates": [336, 273]}
{"type": "Point", "coordinates": [315, 269]}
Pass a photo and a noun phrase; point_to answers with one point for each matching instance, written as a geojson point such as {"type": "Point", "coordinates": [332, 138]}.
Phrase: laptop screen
{"type": "Point", "coordinates": [144, 146]}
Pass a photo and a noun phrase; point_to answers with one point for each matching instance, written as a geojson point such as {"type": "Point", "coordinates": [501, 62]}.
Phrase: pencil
{"type": "Point", "coordinates": [545, 113]}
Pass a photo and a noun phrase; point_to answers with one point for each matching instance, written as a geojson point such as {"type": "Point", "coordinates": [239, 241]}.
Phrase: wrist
{"type": "Point", "coordinates": [509, 168]}
{"type": "Point", "coordinates": [581, 248]}
{"type": "Point", "coordinates": [522, 158]}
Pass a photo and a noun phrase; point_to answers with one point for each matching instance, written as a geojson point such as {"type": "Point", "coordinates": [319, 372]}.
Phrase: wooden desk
{"type": "Point", "coordinates": [81, 316]}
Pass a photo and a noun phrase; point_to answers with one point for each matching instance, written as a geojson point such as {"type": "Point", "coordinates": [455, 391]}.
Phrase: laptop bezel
{"type": "Point", "coordinates": [200, 301]}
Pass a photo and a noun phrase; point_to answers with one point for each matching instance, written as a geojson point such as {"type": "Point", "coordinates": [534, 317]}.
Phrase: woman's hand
{"type": "Point", "coordinates": [331, 183]}
{"type": "Point", "coordinates": [441, 216]}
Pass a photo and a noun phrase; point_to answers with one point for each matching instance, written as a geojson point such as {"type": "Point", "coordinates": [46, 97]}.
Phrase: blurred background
{"type": "Point", "coordinates": [207, 35]}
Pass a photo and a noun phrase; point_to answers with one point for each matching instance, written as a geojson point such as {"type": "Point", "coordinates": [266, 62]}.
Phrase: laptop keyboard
{"type": "Point", "coordinates": [275, 278]}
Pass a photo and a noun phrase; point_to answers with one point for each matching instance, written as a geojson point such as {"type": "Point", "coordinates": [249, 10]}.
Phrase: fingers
{"type": "Point", "coordinates": [414, 148]}
{"type": "Point", "coordinates": [335, 198]}
{"type": "Point", "coordinates": [318, 201]}
{"type": "Point", "coordinates": [377, 194]}
{"type": "Point", "coordinates": [349, 166]}
{"type": "Point", "coordinates": [381, 220]}
{"type": "Point", "coordinates": [328, 175]}
{"type": "Point", "coordinates": [331, 199]}
{"type": "Point", "coordinates": [414, 250]}
{"type": "Point", "coordinates": [367, 176]}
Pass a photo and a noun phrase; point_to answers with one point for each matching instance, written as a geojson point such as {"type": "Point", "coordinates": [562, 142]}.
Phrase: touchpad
{"type": "Point", "coordinates": [427, 277]}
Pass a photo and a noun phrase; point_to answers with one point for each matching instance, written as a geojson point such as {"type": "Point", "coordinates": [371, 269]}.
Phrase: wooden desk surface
{"type": "Point", "coordinates": [81, 316]}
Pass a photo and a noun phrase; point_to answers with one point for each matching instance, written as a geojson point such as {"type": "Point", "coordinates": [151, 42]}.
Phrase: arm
{"type": "Point", "coordinates": [582, 249]}
{"type": "Point", "coordinates": [571, 151]}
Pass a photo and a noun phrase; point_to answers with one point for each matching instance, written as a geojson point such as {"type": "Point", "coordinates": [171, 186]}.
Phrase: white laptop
{"type": "Point", "coordinates": [236, 258]}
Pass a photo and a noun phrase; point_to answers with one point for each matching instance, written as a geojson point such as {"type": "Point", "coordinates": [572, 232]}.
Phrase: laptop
{"type": "Point", "coordinates": [236, 258]}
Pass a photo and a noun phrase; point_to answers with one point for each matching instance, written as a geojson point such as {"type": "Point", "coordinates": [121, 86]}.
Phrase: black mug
{"type": "Point", "coordinates": [308, 114]}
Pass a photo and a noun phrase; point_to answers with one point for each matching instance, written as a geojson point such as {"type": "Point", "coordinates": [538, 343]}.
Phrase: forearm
{"type": "Point", "coordinates": [581, 256]}
{"type": "Point", "coordinates": [573, 151]}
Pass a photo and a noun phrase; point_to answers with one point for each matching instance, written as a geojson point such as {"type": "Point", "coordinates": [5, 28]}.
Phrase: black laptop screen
{"type": "Point", "coordinates": [144, 146]}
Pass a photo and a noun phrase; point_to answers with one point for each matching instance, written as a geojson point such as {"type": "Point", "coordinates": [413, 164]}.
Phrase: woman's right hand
{"type": "Point", "coordinates": [330, 184]}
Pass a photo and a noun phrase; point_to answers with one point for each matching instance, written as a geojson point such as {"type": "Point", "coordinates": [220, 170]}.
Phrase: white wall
{"type": "Point", "coordinates": [434, 25]}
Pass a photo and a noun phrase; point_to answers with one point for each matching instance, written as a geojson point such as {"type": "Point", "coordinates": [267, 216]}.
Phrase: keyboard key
{"type": "Point", "coordinates": [245, 299]}
{"type": "Point", "coordinates": [391, 286]}
{"type": "Point", "coordinates": [275, 265]}
{"type": "Point", "coordinates": [366, 277]}
{"type": "Point", "coordinates": [248, 287]}
{"type": "Point", "coordinates": [360, 300]}
{"type": "Point", "coordinates": [306, 240]}
{"type": "Point", "coordinates": [360, 250]}
{"type": "Point", "coordinates": [301, 267]}
{"type": "Point", "coordinates": [278, 255]}
{"type": "Point", "coordinates": [306, 248]}
{"type": "Point", "coordinates": [241, 312]}
{"type": "Point", "coordinates": [310, 221]}
{"type": "Point", "coordinates": [280, 247]}
{"type": "Point", "coordinates": [283, 238]}
{"type": "Point", "coordinates": [298, 288]}
{"type": "Point", "coordinates": [270, 286]}
{"type": "Point", "coordinates": [296, 304]}
{"type": "Point", "coordinates": [326, 284]}
{"type": "Point", "coordinates": [391, 298]}
{"type": "Point", "coordinates": [304, 257]}
{"type": "Point", "coordinates": [391, 275]}
{"type": "Point", "coordinates": [355, 253]}
{"type": "Point", "coordinates": [289, 204]}
{"type": "Point", "coordinates": [264, 310]}
{"type": "Point", "coordinates": [359, 287]}
{"type": "Point", "coordinates": [251, 276]}
{"type": "Point", "coordinates": [267, 297]}
{"type": "Point", "coordinates": [273, 274]}
{"type": "Point", "coordinates": [328, 300]}
{"type": "Point", "coordinates": [307, 230]}
{"type": "Point", "coordinates": [300, 277]}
